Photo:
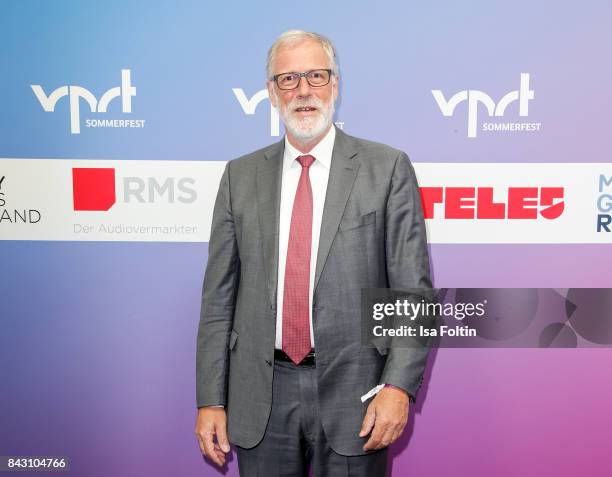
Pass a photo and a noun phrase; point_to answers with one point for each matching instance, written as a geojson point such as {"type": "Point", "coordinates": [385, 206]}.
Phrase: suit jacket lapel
{"type": "Point", "coordinates": [269, 175]}
{"type": "Point", "coordinates": [342, 175]}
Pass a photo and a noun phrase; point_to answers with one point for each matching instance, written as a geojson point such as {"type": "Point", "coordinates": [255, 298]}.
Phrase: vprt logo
{"type": "Point", "coordinates": [250, 105]}
{"type": "Point", "coordinates": [75, 93]}
{"type": "Point", "coordinates": [475, 97]}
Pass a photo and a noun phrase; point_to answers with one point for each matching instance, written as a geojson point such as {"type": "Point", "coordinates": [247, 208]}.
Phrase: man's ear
{"type": "Point", "coordinates": [271, 95]}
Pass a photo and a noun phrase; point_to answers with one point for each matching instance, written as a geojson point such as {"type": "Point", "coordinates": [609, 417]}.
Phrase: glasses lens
{"type": "Point", "coordinates": [287, 81]}
{"type": "Point", "coordinates": [318, 77]}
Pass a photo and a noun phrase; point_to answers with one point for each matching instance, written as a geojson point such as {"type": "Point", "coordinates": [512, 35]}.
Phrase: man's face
{"type": "Point", "coordinates": [306, 111]}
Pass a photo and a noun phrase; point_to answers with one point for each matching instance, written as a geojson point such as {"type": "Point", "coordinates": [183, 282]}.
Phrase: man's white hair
{"type": "Point", "coordinates": [294, 37]}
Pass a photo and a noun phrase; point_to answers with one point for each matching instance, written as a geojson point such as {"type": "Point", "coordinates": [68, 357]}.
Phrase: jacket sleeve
{"type": "Point", "coordinates": [407, 263]}
{"type": "Point", "coordinates": [218, 302]}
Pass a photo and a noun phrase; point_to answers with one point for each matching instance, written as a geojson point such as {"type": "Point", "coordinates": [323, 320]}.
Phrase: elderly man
{"type": "Point", "coordinates": [299, 228]}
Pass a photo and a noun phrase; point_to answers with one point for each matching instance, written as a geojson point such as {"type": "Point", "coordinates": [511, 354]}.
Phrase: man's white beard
{"type": "Point", "coordinates": [309, 127]}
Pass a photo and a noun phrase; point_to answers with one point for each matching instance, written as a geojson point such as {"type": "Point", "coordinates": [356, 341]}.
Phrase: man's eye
{"type": "Point", "coordinates": [316, 75]}
{"type": "Point", "coordinates": [287, 78]}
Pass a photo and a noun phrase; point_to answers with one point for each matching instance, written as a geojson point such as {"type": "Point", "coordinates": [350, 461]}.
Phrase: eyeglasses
{"type": "Point", "coordinates": [315, 78]}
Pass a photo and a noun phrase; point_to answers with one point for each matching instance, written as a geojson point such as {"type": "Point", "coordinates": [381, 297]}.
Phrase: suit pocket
{"type": "Point", "coordinates": [356, 247]}
{"type": "Point", "coordinates": [350, 223]}
{"type": "Point", "coordinates": [233, 339]}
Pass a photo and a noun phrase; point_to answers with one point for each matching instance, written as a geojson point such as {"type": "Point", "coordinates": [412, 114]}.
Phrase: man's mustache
{"type": "Point", "coordinates": [311, 103]}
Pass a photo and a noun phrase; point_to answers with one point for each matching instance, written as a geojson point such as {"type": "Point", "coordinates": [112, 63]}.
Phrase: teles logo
{"type": "Point", "coordinates": [94, 189]}
{"type": "Point", "coordinates": [478, 202]}
{"type": "Point", "coordinates": [75, 93]}
{"type": "Point", "coordinates": [475, 97]}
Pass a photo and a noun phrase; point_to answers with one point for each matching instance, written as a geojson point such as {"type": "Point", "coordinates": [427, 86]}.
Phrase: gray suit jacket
{"type": "Point", "coordinates": [372, 235]}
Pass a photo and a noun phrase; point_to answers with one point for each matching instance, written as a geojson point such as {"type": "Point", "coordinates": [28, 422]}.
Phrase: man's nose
{"type": "Point", "coordinates": [303, 88]}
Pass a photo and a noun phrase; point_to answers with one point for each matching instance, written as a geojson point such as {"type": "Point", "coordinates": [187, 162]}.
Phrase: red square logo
{"type": "Point", "coordinates": [93, 188]}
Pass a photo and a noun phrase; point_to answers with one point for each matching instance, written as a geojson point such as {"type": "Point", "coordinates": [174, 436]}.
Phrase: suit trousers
{"type": "Point", "coordinates": [294, 440]}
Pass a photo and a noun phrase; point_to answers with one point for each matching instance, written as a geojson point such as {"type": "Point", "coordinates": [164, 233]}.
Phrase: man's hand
{"type": "Point", "coordinates": [387, 415]}
{"type": "Point", "coordinates": [212, 422]}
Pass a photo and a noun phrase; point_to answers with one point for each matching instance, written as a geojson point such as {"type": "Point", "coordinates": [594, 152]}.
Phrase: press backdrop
{"type": "Point", "coordinates": [98, 327]}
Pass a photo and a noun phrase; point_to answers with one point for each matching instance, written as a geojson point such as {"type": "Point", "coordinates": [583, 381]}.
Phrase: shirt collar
{"type": "Point", "coordinates": [322, 152]}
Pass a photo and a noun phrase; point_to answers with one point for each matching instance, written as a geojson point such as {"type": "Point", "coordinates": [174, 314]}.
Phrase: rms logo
{"type": "Point", "coordinates": [93, 189]}
{"type": "Point", "coordinates": [478, 203]}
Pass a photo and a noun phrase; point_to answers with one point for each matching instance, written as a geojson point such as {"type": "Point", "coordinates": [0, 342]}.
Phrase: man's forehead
{"type": "Point", "coordinates": [307, 53]}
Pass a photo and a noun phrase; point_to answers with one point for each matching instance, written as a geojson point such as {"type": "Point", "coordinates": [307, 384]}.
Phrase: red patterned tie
{"type": "Point", "coordinates": [296, 323]}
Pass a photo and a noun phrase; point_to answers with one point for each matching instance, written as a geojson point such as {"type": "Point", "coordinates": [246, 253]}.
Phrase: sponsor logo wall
{"type": "Point", "coordinates": [172, 201]}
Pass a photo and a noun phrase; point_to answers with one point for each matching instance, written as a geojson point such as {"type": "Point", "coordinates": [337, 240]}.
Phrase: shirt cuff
{"type": "Point", "coordinates": [376, 389]}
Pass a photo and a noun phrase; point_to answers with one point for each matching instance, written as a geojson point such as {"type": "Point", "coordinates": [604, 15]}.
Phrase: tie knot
{"type": "Point", "coordinates": [306, 161]}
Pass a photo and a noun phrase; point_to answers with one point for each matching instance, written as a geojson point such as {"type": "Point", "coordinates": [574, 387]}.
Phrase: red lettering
{"type": "Point", "coordinates": [470, 202]}
{"type": "Point", "coordinates": [429, 197]}
{"type": "Point", "coordinates": [547, 198]}
{"type": "Point", "coordinates": [522, 202]}
{"type": "Point", "coordinates": [459, 203]}
{"type": "Point", "coordinates": [487, 209]}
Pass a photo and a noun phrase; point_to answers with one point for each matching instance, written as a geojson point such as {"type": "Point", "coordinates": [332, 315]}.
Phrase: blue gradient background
{"type": "Point", "coordinates": [97, 340]}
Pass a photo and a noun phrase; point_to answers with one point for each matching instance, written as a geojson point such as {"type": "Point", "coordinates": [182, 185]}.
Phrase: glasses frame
{"type": "Point", "coordinates": [302, 75]}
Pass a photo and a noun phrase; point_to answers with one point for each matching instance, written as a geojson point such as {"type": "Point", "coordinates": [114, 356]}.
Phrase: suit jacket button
{"type": "Point", "coordinates": [269, 363]}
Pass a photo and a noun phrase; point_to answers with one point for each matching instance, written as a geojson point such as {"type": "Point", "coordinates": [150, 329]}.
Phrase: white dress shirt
{"type": "Point", "coordinates": [319, 175]}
